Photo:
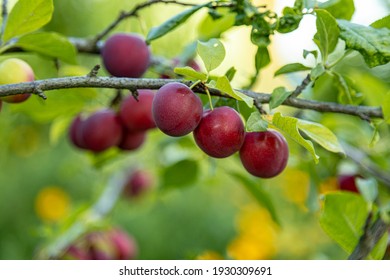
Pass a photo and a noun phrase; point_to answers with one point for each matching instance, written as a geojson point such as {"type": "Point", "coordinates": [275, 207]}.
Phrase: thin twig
{"type": "Point", "coordinates": [134, 13]}
{"type": "Point", "coordinates": [93, 215]}
{"type": "Point", "coordinates": [131, 84]}
{"type": "Point", "coordinates": [305, 82]}
{"type": "Point", "coordinates": [370, 237]}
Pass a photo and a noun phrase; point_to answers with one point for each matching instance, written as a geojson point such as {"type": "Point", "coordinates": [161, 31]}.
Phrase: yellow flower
{"type": "Point", "coordinates": [296, 185]}
{"type": "Point", "coordinates": [329, 185]}
{"type": "Point", "coordinates": [256, 235]}
{"type": "Point", "coordinates": [52, 204]}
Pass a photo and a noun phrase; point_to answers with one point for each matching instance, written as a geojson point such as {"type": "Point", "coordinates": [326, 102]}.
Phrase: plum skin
{"type": "Point", "coordinates": [220, 132]}
{"type": "Point", "coordinates": [264, 154]}
{"type": "Point", "coordinates": [98, 132]}
{"type": "Point", "coordinates": [132, 140]}
{"type": "Point", "coordinates": [137, 115]}
{"type": "Point", "coordinates": [137, 183]}
{"type": "Point", "coordinates": [126, 55]}
{"type": "Point", "coordinates": [347, 182]}
{"type": "Point", "coordinates": [177, 110]}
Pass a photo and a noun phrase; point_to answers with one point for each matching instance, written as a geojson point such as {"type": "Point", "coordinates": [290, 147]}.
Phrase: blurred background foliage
{"type": "Point", "coordinates": [196, 209]}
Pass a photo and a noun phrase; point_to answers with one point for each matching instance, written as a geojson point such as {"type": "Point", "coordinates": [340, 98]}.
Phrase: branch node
{"type": "Point", "coordinates": [93, 73]}
{"type": "Point", "coordinates": [259, 107]}
{"type": "Point", "coordinates": [134, 93]}
{"type": "Point", "coordinates": [40, 93]}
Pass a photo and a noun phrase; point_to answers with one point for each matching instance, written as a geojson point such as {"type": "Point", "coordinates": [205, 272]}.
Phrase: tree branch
{"type": "Point", "coordinates": [131, 84]}
{"type": "Point", "coordinates": [371, 236]}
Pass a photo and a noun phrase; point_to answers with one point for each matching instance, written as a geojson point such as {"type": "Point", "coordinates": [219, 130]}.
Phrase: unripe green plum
{"type": "Point", "coordinates": [137, 115]}
{"type": "Point", "coordinates": [264, 154]}
{"type": "Point", "coordinates": [12, 71]}
{"type": "Point", "coordinates": [177, 110]}
{"type": "Point", "coordinates": [220, 132]}
{"type": "Point", "coordinates": [126, 55]}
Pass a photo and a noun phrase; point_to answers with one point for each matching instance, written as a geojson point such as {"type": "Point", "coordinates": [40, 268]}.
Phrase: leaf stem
{"type": "Point", "coordinates": [209, 96]}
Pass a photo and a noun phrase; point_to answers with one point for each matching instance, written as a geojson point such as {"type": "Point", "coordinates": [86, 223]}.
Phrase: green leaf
{"type": "Point", "coordinates": [258, 194]}
{"type": "Point", "coordinates": [345, 91]}
{"type": "Point", "coordinates": [289, 126]}
{"type": "Point", "coordinates": [322, 135]}
{"type": "Point", "coordinates": [343, 9]}
{"type": "Point", "coordinates": [230, 73]}
{"type": "Point", "coordinates": [213, 28]}
{"type": "Point", "coordinates": [189, 72]}
{"type": "Point", "coordinates": [256, 123]}
{"type": "Point", "coordinates": [261, 32]}
{"type": "Point", "coordinates": [382, 23]}
{"type": "Point", "coordinates": [343, 218]}
{"type": "Point", "coordinates": [372, 43]}
{"type": "Point", "coordinates": [27, 16]}
{"type": "Point", "coordinates": [49, 44]}
{"type": "Point", "coordinates": [317, 72]}
{"type": "Point", "coordinates": [368, 188]}
{"type": "Point", "coordinates": [181, 174]}
{"type": "Point", "coordinates": [172, 23]}
{"type": "Point", "coordinates": [262, 58]}
{"type": "Point", "coordinates": [306, 53]}
{"type": "Point", "coordinates": [279, 95]}
{"type": "Point", "coordinates": [386, 108]}
{"type": "Point", "coordinates": [224, 85]}
{"type": "Point", "coordinates": [290, 20]}
{"type": "Point", "coordinates": [290, 68]}
{"type": "Point", "coordinates": [327, 33]}
{"type": "Point", "coordinates": [212, 53]}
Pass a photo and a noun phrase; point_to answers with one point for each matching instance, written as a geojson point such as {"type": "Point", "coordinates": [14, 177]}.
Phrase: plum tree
{"type": "Point", "coordinates": [98, 132]}
{"type": "Point", "coordinates": [137, 115]}
{"type": "Point", "coordinates": [126, 55]}
{"type": "Point", "coordinates": [220, 132]}
{"type": "Point", "coordinates": [264, 154]}
{"type": "Point", "coordinates": [14, 70]}
{"type": "Point", "coordinates": [132, 140]}
{"type": "Point", "coordinates": [137, 183]}
{"type": "Point", "coordinates": [177, 111]}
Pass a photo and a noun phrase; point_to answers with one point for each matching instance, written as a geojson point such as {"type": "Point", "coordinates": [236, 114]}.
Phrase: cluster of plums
{"type": "Point", "coordinates": [177, 111]}
{"type": "Point", "coordinates": [111, 244]}
{"type": "Point", "coordinates": [107, 128]}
